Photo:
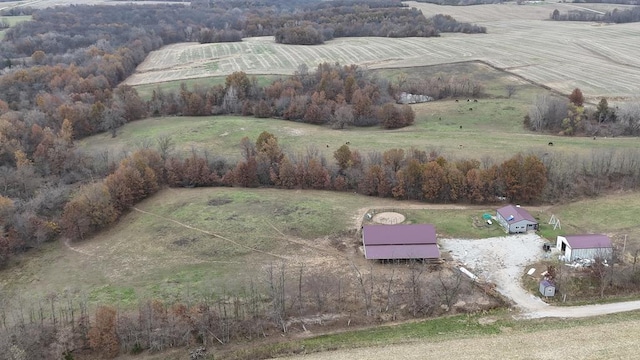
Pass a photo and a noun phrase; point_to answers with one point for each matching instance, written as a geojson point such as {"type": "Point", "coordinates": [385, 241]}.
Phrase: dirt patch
{"type": "Point", "coordinates": [219, 201]}
{"type": "Point", "coordinates": [388, 218]}
{"type": "Point", "coordinates": [184, 241]}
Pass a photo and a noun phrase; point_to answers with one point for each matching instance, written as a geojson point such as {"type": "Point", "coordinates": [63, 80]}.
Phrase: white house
{"type": "Point", "coordinates": [515, 219]}
{"type": "Point", "coordinates": [588, 246]}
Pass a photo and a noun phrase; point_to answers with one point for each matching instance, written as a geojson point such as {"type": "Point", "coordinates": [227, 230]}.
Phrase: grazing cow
{"type": "Point", "coordinates": [460, 146]}
{"type": "Point", "coordinates": [460, 126]}
{"type": "Point", "coordinates": [550, 143]}
{"type": "Point", "coordinates": [327, 145]}
{"type": "Point", "coordinates": [594, 138]}
{"type": "Point", "coordinates": [475, 100]}
{"type": "Point", "coordinates": [468, 100]}
{"type": "Point", "coordinates": [456, 100]}
{"type": "Point", "coordinates": [470, 109]}
{"type": "Point", "coordinates": [348, 142]}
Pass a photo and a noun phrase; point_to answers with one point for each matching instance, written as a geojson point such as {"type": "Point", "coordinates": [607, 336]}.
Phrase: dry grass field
{"type": "Point", "coordinates": [602, 60]}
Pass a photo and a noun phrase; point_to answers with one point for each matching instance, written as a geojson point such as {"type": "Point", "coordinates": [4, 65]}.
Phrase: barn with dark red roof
{"type": "Point", "coordinates": [404, 241]}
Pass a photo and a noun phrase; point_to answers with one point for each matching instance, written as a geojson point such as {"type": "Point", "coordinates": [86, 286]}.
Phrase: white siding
{"type": "Point", "coordinates": [590, 253]}
{"type": "Point", "coordinates": [519, 227]}
{"type": "Point", "coordinates": [574, 254]}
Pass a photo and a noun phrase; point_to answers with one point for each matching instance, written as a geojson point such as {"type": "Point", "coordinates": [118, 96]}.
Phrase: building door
{"type": "Point", "coordinates": [563, 247]}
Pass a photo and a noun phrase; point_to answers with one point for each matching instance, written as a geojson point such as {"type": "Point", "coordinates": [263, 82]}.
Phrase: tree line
{"type": "Point", "coordinates": [622, 2]}
{"type": "Point", "coordinates": [461, 2]}
{"type": "Point", "coordinates": [570, 117]}
{"type": "Point", "coordinates": [413, 175]}
{"type": "Point", "coordinates": [615, 16]}
{"type": "Point", "coordinates": [283, 298]}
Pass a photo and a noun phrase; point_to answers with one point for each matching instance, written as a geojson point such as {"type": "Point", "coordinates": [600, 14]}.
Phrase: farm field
{"type": "Point", "coordinates": [487, 131]}
{"type": "Point", "coordinates": [166, 248]}
{"type": "Point", "coordinates": [602, 60]}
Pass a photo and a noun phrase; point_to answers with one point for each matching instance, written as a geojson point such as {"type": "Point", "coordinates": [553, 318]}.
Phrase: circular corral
{"type": "Point", "coordinates": [388, 218]}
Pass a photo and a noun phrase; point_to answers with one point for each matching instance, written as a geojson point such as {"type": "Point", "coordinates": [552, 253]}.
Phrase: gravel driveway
{"type": "Point", "coordinates": [502, 261]}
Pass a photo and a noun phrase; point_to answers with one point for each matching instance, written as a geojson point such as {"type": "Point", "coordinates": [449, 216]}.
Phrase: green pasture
{"type": "Point", "coordinates": [150, 256]}
{"type": "Point", "coordinates": [490, 128]}
{"type": "Point", "coordinates": [494, 134]}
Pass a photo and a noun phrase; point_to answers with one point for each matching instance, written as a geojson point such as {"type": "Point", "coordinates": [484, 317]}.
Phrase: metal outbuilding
{"type": "Point", "coordinates": [586, 246]}
{"type": "Point", "coordinates": [515, 219]}
{"type": "Point", "coordinates": [547, 288]}
{"type": "Point", "coordinates": [404, 241]}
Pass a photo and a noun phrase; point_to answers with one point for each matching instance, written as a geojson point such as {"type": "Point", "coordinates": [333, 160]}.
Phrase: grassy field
{"type": "Point", "coordinates": [491, 133]}
{"type": "Point", "coordinates": [151, 255]}
{"type": "Point", "coordinates": [601, 60]}
{"type": "Point", "coordinates": [487, 131]}
{"type": "Point", "coordinates": [12, 21]}
{"type": "Point", "coordinates": [146, 255]}
{"type": "Point", "coordinates": [457, 223]}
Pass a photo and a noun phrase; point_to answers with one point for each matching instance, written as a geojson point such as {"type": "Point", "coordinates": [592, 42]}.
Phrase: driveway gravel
{"type": "Point", "coordinates": [502, 261]}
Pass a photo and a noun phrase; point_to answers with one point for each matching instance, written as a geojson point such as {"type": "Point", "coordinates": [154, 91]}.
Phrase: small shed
{"type": "Point", "coordinates": [515, 219]}
{"type": "Point", "coordinates": [403, 241]}
{"type": "Point", "coordinates": [547, 288]}
{"type": "Point", "coordinates": [586, 246]}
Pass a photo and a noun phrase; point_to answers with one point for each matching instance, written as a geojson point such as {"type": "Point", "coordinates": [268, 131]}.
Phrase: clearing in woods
{"type": "Point", "coordinates": [602, 60]}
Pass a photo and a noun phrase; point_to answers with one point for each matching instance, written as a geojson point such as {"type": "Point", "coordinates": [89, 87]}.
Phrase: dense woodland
{"type": "Point", "coordinates": [616, 16]}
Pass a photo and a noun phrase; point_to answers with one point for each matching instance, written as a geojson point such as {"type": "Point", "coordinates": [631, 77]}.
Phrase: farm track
{"type": "Point", "coordinates": [210, 234]}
